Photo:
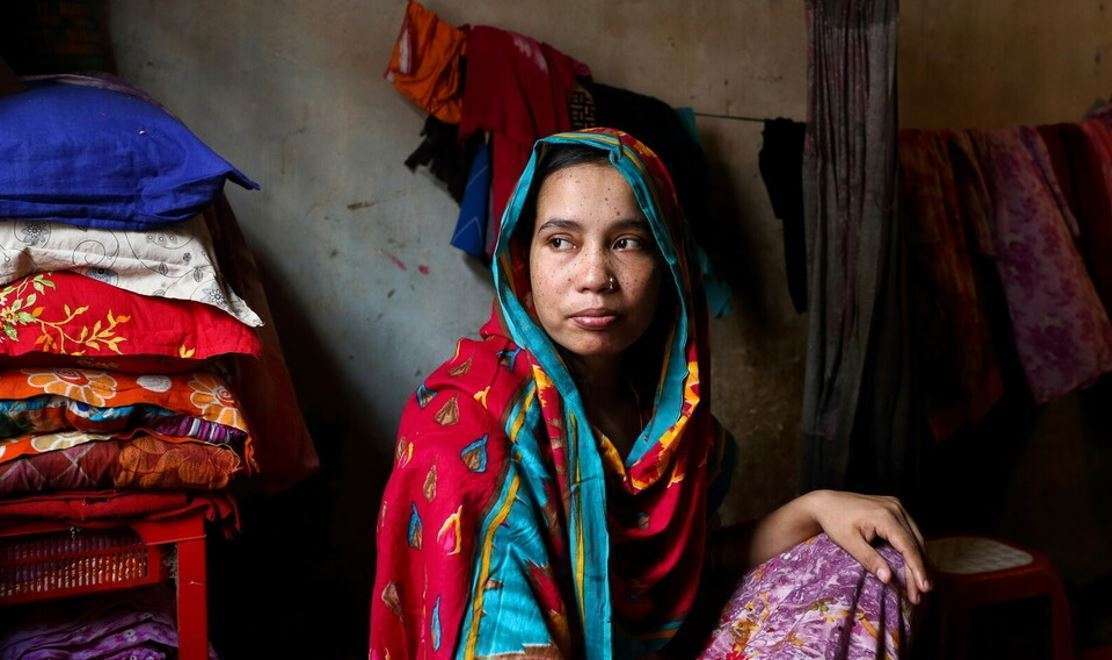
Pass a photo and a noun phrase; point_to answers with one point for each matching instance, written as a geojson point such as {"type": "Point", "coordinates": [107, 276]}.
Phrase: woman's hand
{"type": "Point", "coordinates": [853, 521]}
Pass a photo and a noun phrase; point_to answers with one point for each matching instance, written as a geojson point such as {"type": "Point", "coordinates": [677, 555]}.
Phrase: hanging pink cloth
{"type": "Point", "coordinates": [1062, 332]}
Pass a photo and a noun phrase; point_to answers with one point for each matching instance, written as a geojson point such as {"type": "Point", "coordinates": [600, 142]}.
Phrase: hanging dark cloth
{"type": "Point", "coordinates": [781, 165]}
{"type": "Point", "coordinates": [447, 158]}
{"type": "Point", "coordinates": [857, 410]}
{"type": "Point", "coordinates": [945, 208]}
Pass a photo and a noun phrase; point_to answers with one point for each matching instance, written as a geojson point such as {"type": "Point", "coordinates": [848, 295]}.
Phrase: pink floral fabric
{"type": "Point", "coordinates": [1062, 332]}
{"type": "Point", "coordinates": [814, 601]}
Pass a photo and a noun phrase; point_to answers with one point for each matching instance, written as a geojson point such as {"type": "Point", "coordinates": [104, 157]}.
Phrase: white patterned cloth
{"type": "Point", "coordinates": [174, 261]}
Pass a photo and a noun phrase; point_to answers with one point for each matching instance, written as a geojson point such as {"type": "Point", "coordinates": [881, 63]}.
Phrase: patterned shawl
{"type": "Point", "coordinates": [508, 527]}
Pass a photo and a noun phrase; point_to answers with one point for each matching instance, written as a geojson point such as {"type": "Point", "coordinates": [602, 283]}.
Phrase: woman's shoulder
{"type": "Point", "coordinates": [470, 390]}
{"type": "Point", "coordinates": [492, 362]}
{"type": "Point", "coordinates": [451, 425]}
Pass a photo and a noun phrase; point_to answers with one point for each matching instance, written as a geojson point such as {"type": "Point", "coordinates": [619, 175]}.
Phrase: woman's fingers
{"type": "Point", "coordinates": [920, 545]}
{"type": "Point", "coordinates": [901, 539]}
{"type": "Point", "coordinates": [924, 581]}
{"type": "Point", "coordinates": [868, 557]}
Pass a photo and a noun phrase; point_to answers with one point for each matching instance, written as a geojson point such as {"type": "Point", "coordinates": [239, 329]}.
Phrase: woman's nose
{"type": "Point", "coordinates": [594, 271]}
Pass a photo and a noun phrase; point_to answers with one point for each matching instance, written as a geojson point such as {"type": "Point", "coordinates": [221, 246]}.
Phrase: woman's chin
{"type": "Point", "coordinates": [595, 344]}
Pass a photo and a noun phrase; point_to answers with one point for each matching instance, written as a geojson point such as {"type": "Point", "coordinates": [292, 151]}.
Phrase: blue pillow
{"type": "Point", "coordinates": [100, 158]}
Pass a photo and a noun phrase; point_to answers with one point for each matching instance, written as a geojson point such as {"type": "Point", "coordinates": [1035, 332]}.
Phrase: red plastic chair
{"type": "Point", "coordinates": [974, 571]}
{"type": "Point", "coordinates": [43, 561]}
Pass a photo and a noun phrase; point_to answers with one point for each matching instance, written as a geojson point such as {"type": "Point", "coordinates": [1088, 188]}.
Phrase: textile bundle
{"type": "Point", "coordinates": [136, 348]}
{"type": "Point", "coordinates": [1008, 237]}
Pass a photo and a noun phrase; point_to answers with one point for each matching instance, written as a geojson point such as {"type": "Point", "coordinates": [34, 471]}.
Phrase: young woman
{"type": "Point", "coordinates": [554, 480]}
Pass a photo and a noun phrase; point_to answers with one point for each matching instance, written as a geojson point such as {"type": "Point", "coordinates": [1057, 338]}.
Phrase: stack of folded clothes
{"type": "Point", "coordinates": [137, 352]}
{"type": "Point", "coordinates": [112, 300]}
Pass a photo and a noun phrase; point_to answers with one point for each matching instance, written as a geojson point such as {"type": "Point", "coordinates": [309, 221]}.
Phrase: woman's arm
{"type": "Point", "coordinates": [737, 548]}
{"type": "Point", "coordinates": [851, 520]}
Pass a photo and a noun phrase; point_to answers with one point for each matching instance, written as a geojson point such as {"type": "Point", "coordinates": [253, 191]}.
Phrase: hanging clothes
{"type": "Point", "coordinates": [448, 158]}
{"type": "Point", "coordinates": [518, 89]}
{"type": "Point", "coordinates": [857, 391]}
{"type": "Point", "coordinates": [948, 240]}
{"type": "Point", "coordinates": [1095, 217]}
{"type": "Point", "coordinates": [471, 226]}
{"type": "Point", "coordinates": [425, 63]}
{"type": "Point", "coordinates": [1062, 333]}
{"type": "Point", "coordinates": [1081, 155]}
{"type": "Point", "coordinates": [781, 165]}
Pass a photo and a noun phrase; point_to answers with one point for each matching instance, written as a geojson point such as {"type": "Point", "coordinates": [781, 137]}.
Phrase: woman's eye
{"type": "Point", "coordinates": [559, 243]}
{"type": "Point", "coordinates": [628, 243]}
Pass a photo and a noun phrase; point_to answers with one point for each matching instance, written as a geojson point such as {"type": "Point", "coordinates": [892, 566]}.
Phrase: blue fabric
{"type": "Point", "coordinates": [100, 158]}
{"type": "Point", "coordinates": [14, 412]}
{"type": "Point", "coordinates": [470, 233]}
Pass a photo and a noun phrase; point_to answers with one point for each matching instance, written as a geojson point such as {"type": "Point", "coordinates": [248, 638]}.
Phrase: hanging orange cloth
{"type": "Point", "coordinates": [425, 63]}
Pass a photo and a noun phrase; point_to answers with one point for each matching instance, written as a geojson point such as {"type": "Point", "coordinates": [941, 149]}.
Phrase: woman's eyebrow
{"type": "Point", "coordinates": [630, 223]}
{"type": "Point", "coordinates": [559, 223]}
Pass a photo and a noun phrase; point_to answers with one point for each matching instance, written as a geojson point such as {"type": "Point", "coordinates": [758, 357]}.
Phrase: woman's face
{"type": "Point", "coordinates": [592, 262]}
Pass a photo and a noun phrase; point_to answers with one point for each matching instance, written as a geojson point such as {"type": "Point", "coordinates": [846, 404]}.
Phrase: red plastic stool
{"type": "Point", "coordinates": [974, 571]}
{"type": "Point", "coordinates": [42, 561]}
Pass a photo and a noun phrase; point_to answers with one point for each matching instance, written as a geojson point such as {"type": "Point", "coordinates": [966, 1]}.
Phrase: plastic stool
{"type": "Point", "coordinates": [974, 571]}
{"type": "Point", "coordinates": [62, 561]}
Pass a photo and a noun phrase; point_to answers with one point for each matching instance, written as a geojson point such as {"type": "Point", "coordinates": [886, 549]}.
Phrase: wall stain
{"type": "Point", "coordinates": [396, 261]}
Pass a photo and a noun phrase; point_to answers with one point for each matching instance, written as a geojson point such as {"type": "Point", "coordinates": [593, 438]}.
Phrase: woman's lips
{"type": "Point", "coordinates": [595, 319]}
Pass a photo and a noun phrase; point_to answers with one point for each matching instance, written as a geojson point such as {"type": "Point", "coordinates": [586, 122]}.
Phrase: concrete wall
{"type": "Point", "coordinates": [990, 64]}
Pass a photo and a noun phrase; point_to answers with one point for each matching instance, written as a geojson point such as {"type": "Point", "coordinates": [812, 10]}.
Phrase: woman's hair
{"type": "Point", "coordinates": [559, 156]}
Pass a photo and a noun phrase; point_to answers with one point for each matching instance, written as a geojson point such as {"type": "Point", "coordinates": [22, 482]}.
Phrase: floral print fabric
{"type": "Point", "coordinates": [144, 462]}
{"type": "Point", "coordinates": [51, 413]}
{"type": "Point", "coordinates": [1061, 329]}
{"type": "Point", "coordinates": [814, 601]}
{"type": "Point", "coordinates": [197, 406]}
{"type": "Point", "coordinates": [68, 314]}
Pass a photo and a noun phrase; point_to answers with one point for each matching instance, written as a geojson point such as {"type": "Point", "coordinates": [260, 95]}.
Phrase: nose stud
{"type": "Point", "coordinates": [611, 283]}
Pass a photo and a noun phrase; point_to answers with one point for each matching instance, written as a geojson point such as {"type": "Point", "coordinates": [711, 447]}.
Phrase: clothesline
{"type": "Point", "coordinates": [733, 117]}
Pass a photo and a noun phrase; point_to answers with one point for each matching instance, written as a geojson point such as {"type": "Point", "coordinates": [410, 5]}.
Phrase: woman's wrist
{"type": "Point", "coordinates": [809, 509]}
{"type": "Point", "coordinates": [814, 504]}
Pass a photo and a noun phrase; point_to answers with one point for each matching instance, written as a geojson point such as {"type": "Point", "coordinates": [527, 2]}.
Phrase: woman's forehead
{"type": "Point", "coordinates": [586, 193]}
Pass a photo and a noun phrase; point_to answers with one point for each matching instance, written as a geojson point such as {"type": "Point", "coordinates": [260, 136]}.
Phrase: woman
{"type": "Point", "coordinates": [554, 480]}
